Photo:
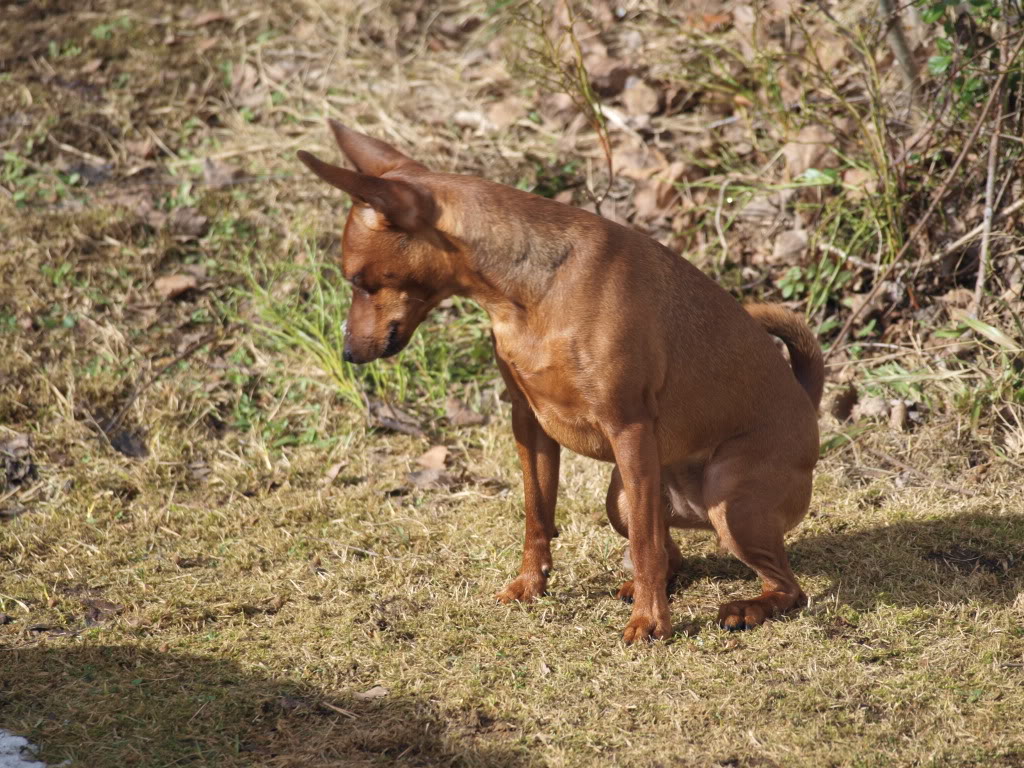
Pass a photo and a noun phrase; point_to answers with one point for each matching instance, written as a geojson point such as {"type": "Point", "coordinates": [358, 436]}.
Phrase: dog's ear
{"type": "Point", "coordinates": [405, 205]}
{"type": "Point", "coordinates": [369, 155]}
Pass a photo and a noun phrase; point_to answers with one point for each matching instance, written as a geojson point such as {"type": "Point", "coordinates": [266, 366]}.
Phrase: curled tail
{"type": "Point", "coordinates": [804, 350]}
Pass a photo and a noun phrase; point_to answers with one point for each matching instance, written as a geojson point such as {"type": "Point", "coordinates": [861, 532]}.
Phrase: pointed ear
{"type": "Point", "coordinates": [405, 205]}
{"type": "Point", "coordinates": [369, 155]}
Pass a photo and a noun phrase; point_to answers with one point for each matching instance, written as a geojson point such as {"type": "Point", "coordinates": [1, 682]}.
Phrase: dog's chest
{"type": "Point", "coordinates": [557, 394]}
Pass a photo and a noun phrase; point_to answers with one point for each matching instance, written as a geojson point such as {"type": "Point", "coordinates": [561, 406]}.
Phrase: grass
{"type": "Point", "coordinates": [304, 306]}
{"type": "Point", "coordinates": [243, 594]}
{"type": "Point", "coordinates": [254, 612]}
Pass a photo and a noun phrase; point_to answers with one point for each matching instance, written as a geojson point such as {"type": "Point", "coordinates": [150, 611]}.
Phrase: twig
{"type": "Point", "coordinates": [936, 199]}
{"type": "Point", "coordinates": [965, 239]}
{"type": "Point", "coordinates": [718, 220]}
{"type": "Point", "coordinates": [986, 222]}
{"type": "Point", "coordinates": [898, 43]}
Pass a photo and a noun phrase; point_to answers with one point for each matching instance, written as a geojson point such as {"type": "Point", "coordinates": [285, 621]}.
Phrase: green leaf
{"type": "Point", "coordinates": [937, 65]}
{"type": "Point", "coordinates": [991, 333]}
{"type": "Point", "coordinates": [815, 177]}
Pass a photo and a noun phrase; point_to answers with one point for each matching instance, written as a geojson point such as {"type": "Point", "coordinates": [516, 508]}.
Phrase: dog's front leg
{"type": "Point", "coordinates": [636, 454]}
{"type": "Point", "coordinates": [539, 457]}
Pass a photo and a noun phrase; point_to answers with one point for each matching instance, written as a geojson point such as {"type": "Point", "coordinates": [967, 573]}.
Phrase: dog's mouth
{"type": "Point", "coordinates": [394, 344]}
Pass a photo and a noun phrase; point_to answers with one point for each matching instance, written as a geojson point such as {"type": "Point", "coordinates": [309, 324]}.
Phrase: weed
{"type": "Point", "coordinates": [303, 307]}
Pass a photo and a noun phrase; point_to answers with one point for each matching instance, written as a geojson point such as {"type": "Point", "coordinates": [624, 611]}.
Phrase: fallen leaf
{"type": "Point", "coordinates": [129, 442]}
{"type": "Point", "coordinates": [608, 76]}
{"type": "Point", "coordinates": [470, 118]}
{"type": "Point", "coordinates": [218, 174]}
{"type": "Point", "coordinates": [198, 471]}
{"type": "Point", "coordinates": [332, 473]}
{"type": "Point", "coordinates": [186, 222]}
{"type": "Point", "coordinates": [431, 478]}
{"type": "Point", "coordinates": [98, 610]}
{"type": "Point", "coordinates": [506, 112]}
{"type": "Point", "coordinates": [766, 206]}
{"type": "Point", "coordinates": [639, 98]}
{"type": "Point", "coordinates": [434, 458]}
{"type": "Point", "coordinates": [391, 417]}
{"type": "Point", "coordinates": [790, 246]}
{"type": "Point", "coordinates": [144, 148]}
{"type": "Point", "coordinates": [207, 17]}
{"type": "Point", "coordinates": [645, 200]}
{"type": "Point", "coordinates": [194, 562]}
{"type": "Point", "coordinates": [710, 22]}
{"type": "Point", "coordinates": [461, 415]}
{"type": "Point", "coordinates": [172, 286]}
{"type": "Point", "coordinates": [276, 604]}
{"type": "Point", "coordinates": [11, 511]}
{"type": "Point", "coordinates": [811, 148]}
{"type": "Point", "coordinates": [205, 44]}
{"type": "Point", "coordinates": [899, 417]}
{"type": "Point", "coordinates": [859, 182]}
{"type": "Point", "coordinates": [958, 297]}
{"type": "Point", "coordinates": [90, 66]}
{"type": "Point", "coordinates": [377, 692]}
{"type": "Point", "coordinates": [16, 465]}
{"type": "Point", "coordinates": [871, 408]}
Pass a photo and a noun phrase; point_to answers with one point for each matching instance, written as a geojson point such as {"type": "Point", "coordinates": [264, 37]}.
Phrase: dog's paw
{"type": "Point", "coordinates": [523, 589]}
{"type": "Point", "coordinates": [642, 627]}
{"type": "Point", "coordinates": [625, 593]}
{"type": "Point", "coordinates": [747, 614]}
{"type": "Point", "coordinates": [742, 614]}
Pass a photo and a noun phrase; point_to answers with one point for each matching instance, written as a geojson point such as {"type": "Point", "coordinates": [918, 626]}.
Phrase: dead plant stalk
{"type": "Point", "coordinates": [936, 199]}
{"type": "Point", "coordinates": [986, 233]}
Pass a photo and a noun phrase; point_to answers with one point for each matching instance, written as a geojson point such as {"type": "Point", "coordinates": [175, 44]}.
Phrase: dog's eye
{"type": "Point", "coordinates": [360, 284]}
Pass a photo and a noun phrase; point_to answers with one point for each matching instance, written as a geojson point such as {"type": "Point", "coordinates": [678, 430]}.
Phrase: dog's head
{"type": "Point", "coordinates": [399, 264]}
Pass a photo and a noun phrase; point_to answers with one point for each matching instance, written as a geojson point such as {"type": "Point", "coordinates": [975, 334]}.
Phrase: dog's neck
{"type": "Point", "coordinates": [509, 255]}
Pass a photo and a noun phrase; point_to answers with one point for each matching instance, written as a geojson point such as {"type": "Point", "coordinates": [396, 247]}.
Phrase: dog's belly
{"type": "Point", "coordinates": [575, 434]}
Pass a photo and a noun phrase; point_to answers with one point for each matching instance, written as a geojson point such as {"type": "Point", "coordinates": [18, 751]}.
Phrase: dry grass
{"type": "Point", "coordinates": [220, 601]}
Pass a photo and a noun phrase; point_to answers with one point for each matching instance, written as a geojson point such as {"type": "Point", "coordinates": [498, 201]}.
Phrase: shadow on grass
{"type": "Point", "coordinates": [121, 705]}
{"type": "Point", "coordinates": [911, 563]}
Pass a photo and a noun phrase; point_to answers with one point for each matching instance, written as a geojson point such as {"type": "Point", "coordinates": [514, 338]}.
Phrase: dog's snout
{"type": "Point", "coordinates": [347, 355]}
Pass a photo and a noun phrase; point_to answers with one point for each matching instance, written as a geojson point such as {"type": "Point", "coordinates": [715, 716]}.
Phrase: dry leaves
{"type": "Point", "coordinates": [187, 223]}
{"type": "Point", "coordinates": [790, 247]}
{"type": "Point", "coordinates": [431, 478]}
{"type": "Point", "coordinates": [332, 473]}
{"type": "Point", "coordinates": [98, 610]}
{"type": "Point", "coordinates": [16, 465]}
{"type": "Point", "coordinates": [174, 286]}
{"type": "Point", "coordinates": [217, 173]}
{"type": "Point", "coordinates": [461, 415]}
{"type": "Point", "coordinates": [392, 418]}
{"type": "Point", "coordinates": [811, 148]}
{"type": "Point", "coordinates": [434, 458]}
{"type": "Point", "coordinates": [639, 98]}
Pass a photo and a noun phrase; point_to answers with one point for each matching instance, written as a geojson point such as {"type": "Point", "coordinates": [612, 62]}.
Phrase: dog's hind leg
{"type": "Point", "coordinates": [750, 512]}
{"type": "Point", "coordinates": [618, 516]}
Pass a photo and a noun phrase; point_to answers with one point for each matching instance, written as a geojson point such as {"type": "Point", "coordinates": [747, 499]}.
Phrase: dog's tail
{"type": "Point", "coordinates": [804, 350]}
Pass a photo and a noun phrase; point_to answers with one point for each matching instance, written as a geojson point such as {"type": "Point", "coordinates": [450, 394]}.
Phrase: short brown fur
{"type": "Point", "coordinates": [610, 345]}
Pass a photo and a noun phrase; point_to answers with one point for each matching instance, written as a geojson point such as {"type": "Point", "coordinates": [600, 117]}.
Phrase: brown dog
{"type": "Point", "coordinates": [610, 345]}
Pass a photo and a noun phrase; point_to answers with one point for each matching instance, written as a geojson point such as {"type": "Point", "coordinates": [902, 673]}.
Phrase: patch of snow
{"type": "Point", "coordinates": [16, 752]}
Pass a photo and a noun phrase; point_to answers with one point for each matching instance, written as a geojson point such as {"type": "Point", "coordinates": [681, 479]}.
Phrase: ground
{"type": "Point", "coordinates": [220, 545]}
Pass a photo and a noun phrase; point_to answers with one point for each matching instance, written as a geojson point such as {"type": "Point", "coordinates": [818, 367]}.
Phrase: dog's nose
{"type": "Point", "coordinates": [347, 355]}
